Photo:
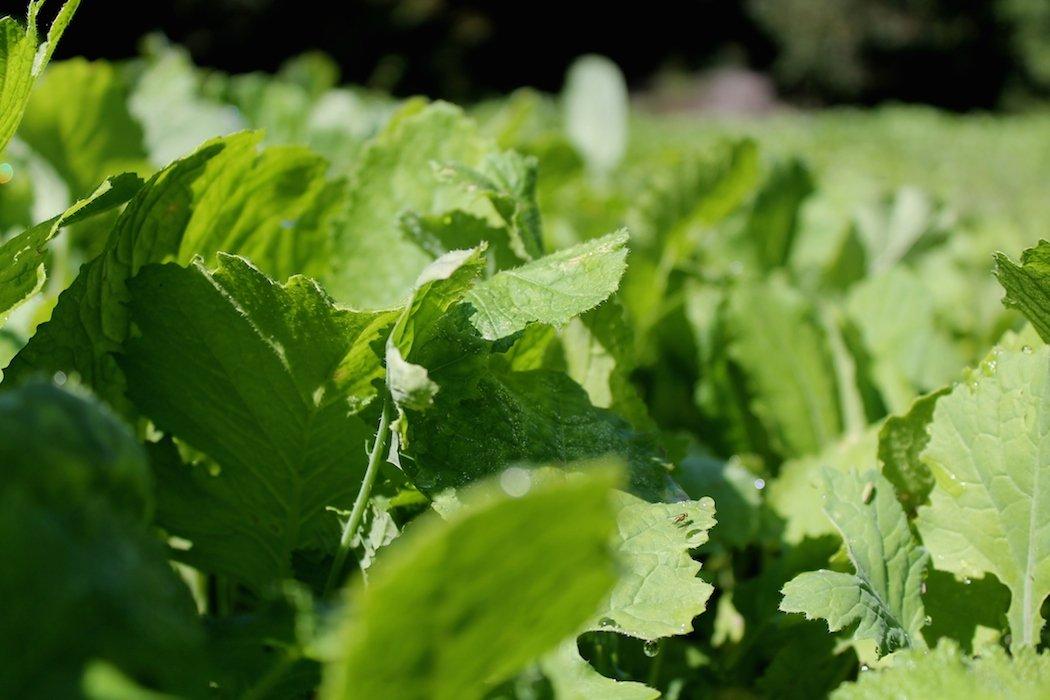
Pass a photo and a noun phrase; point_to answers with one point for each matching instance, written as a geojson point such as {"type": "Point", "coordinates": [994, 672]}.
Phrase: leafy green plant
{"type": "Point", "coordinates": [405, 400]}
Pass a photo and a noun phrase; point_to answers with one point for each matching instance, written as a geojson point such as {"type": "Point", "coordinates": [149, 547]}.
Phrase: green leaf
{"type": "Point", "coordinates": [572, 678]}
{"type": "Point", "coordinates": [772, 224]}
{"type": "Point", "coordinates": [901, 442]}
{"type": "Point", "coordinates": [75, 502]}
{"type": "Point", "coordinates": [736, 491]}
{"type": "Point", "coordinates": [946, 672]}
{"type": "Point", "coordinates": [22, 257]}
{"type": "Point", "coordinates": [267, 381]}
{"type": "Point", "coordinates": [658, 593]}
{"type": "Point", "coordinates": [78, 120]}
{"type": "Point", "coordinates": [550, 290]}
{"type": "Point", "coordinates": [990, 512]}
{"type": "Point", "coordinates": [508, 180]}
{"type": "Point", "coordinates": [226, 196]}
{"type": "Point", "coordinates": [911, 349]}
{"type": "Point", "coordinates": [166, 100]}
{"type": "Point", "coordinates": [22, 60]}
{"type": "Point", "coordinates": [543, 416]}
{"type": "Point", "coordinates": [884, 595]}
{"type": "Point", "coordinates": [776, 341]}
{"type": "Point", "coordinates": [1028, 285]}
{"type": "Point", "coordinates": [461, 605]}
{"type": "Point", "coordinates": [373, 265]}
{"type": "Point", "coordinates": [597, 111]}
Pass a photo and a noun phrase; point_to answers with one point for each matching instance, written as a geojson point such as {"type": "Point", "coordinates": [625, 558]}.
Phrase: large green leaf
{"type": "Point", "coordinates": [227, 196]}
{"type": "Point", "coordinates": [990, 509]}
{"type": "Point", "coordinates": [266, 380]}
{"type": "Point", "coordinates": [773, 221]}
{"type": "Point", "coordinates": [83, 578]}
{"type": "Point", "coordinates": [884, 595]}
{"type": "Point", "coordinates": [22, 60]}
{"type": "Point", "coordinates": [78, 120]}
{"type": "Point", "coordinates": [777, 343]}
{"type": "Point", "coordinates": [373, 265]}
{"type": "Point", "coordinates": [22, 257]}
{"type": "Point", "coordinates": [945, 672]}
{"type": "Point", "coordinates": [1028, 285]}
{"type": "Point", "coordinates": [459, 605]}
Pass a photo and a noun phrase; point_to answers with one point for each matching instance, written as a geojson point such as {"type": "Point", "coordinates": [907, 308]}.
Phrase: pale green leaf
{"type": "Point", "coordinates": [460, 605]}
{"type": "Point", "coordinates": [773, 221]}
{"type": "Point", "coordinates": [572, 678]}
{"type": "Point", "coordinates": [550, 290]}
{"type": "Point", "coordinates": [990, 509]}
{"type": "Point", "coordinates": [883, 596]}
{"type": "Point", "coordinates": [267, 381]}
{"type": "Point", "coordinates": [597, 111]}
{"type": "Point", "coordinates": [658, 593]}
{"type": "Point", "coordinates": [78, 120]}
{"type": "Point", "coordinates": [778, 344]}
{"type": "Point", "coordinates": [373, 265]}
{"type": "Point", "coordinates": [945, 672]}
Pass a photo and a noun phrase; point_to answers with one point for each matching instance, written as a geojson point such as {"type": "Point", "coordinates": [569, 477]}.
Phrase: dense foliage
{"type": "Point", "coordinates": [308, 392]}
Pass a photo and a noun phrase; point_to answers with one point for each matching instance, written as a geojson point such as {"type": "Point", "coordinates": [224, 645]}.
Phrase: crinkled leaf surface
{"type": "Point", "coordinates": [226, 196]}
{"type": "Point", "coordinates": [22, 60]}
{"type": "Point", "coordinates": [462, 604]}
{"type": "Point", "coordinates": [74, 510]}
{"type": "Point", "coordinates": [990, 509]}
{"type": "Point", "coordinates": [658, 593]}
{"type": "Point", "coordinates": [266, 380]}
{"type": "Point", "coordinates": [22, 257]}
{"type": "Point", "coordinates": [550, 290]}
{"type": "Point", "coordinates": [884, 595]}
{"type": "Point", "coordinates": [1028, 285]}
{"type": "Point", "coordinates": [948, 673]}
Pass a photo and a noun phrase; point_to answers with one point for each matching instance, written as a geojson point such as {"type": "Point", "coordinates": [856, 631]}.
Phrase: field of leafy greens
{"type": "Point", "coordinates": [312, 392]}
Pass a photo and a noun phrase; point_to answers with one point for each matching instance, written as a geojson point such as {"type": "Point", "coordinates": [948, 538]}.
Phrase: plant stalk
{"type": "Point", "coordinates": [375, 458]}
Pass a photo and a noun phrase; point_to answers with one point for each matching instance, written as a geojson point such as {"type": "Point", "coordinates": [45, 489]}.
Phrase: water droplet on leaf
{"type": "Point", "coordinates": [760, 484]}
{"type": "Point", "coordinates": [651, 648]}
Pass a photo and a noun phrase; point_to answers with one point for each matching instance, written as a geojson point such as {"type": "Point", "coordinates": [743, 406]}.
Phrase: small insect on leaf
{"type": "Point", "coordinates": [868, 492]}
{"type": "Point", "coordinates": [680, 518]}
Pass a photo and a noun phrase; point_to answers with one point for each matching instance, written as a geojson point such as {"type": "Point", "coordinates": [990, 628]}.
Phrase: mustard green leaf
{"type": "Point", "coordinates": [990, 509]}
{"type": "Point", "coordinates": [266, 380]}
{"type": "Point", "coordinates": [460, 605]}
{"type": "Point", "coordinates": [884, 595]}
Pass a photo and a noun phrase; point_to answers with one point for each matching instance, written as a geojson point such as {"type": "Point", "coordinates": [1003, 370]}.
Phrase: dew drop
{"type": "Point", "coordinates": [59, 378]}
{"type": "Point", "coordinates": [7, 173]}
{"type": "Point", "coordinates": [607, 622]}
{"type": "Point", "coordinates": [927, 621]}
{"type": "Point", "coordinates": [1026, 349]}
{"type": "Point", "coordinates": [651, 648]}
{"type": "Point", "coordinates": [864, 667]}
{"type": "Point", "coordinates": [515, 481]}
{"type": "Point", "coordinates": [760, 484]}
{"type": "Point", "coordinates": [967, 581]}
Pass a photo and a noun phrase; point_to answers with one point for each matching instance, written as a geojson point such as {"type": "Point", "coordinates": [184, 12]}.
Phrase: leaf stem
{"type": "Point", "coordinates": [375, 458]}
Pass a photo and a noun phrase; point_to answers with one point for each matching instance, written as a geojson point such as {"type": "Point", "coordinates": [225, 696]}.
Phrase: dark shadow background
{"type": "Point", "coordinates": [957, 54]}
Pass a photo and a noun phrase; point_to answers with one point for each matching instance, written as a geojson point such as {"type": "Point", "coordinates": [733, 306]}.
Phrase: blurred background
{"type": "Point", "coordinates": [725, 54]}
